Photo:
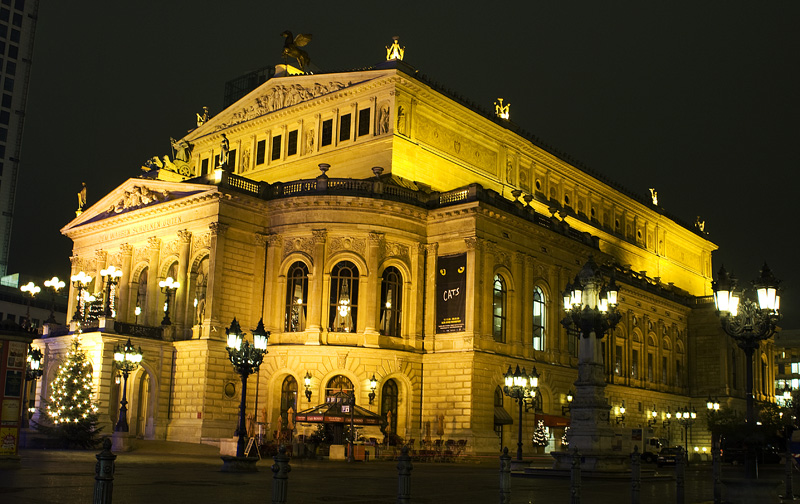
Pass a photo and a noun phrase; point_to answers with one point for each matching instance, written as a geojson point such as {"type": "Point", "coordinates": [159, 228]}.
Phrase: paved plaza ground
{"type": "Point", "coordinates": [160, 472]}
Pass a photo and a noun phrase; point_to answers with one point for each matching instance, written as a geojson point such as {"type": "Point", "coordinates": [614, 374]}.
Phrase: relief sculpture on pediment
{"type": "Point", "coordinates": [281, 96]}
{"type": "Point", "coordinates": [137, 197]}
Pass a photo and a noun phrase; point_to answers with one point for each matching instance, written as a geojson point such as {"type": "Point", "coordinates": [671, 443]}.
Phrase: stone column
{"type": "Point", "coordinates": [153, 308]}
{"type": "Point", "coordinates": [430, 293]}
{"type": "Point", "coordinates": [521, 313]}
{"type": "Point", "coordinates": [315, 279]}
{"type": "Point", "coordinates": [214, 285]}
{"type": "Point", "coordinates": [182, 294]}
{"type": "Point", "coordinates": [257, 296]}
{"type": "Point", "coordinates": [412, 322]}
{"type": "Point", "coordinates": [472, 318]}
{"type": "Point", "coordinates": [273, 315]}
{"type": "Point", "coordinates": [487, 291]}
{"type": "Point", "coordinates": [372, 297]}
{"type": "Point", "coordinates": [100, 263]}
{"type": "Point", "coordinates": [126, 250]}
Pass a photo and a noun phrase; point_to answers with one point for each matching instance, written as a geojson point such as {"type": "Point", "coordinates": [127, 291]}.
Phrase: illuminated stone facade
{"type": "Point", "coordinates": [300, 219]}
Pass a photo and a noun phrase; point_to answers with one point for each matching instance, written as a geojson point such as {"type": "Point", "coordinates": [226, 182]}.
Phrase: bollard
{"type": "Point", "coordinates": [404, 468]}
{"type": "Point", "coordinates": [716, 469]}
{"type": "Point", "coordinates": [636, 475]}
{"type": "Point", "coordinates": [680, 472]}
{"type": "Point", "coordinates": [280, 477]}
{"type": "Point", "coordinates": [575, 479]}
{"type": "Point", "coordinates": [788, 493]}
{"type": "Point", "coordinates": [505, 477]}
{"type": "Point", "coordinates": [104, 474]}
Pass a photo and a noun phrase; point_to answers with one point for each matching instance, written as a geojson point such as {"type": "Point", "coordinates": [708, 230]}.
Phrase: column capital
{"type": "Point", "coordinates": [154, 243]}
{"type": "Point", "coordinates": [430, 248]}
{"type": "Point", "coordinates": [218, 228]}
{"type": "Point", "coordinates": [319, 235]}
{"type": "Point", "coordinates": [126, 249]}
{"type": "Point", "coordinates": [261, 239]}
{"type": "Point", "coordinates": [185, 236]}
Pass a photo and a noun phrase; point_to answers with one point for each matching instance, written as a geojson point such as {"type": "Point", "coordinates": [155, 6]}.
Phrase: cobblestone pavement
{"type": "Point", "coordinates": [159, 472]}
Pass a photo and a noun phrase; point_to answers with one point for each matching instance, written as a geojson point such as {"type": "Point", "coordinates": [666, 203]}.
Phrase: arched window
{"type": "Point", "coordinates": [200, 282]}
{"type": "Point", "coordinates": [296, 297]}
{"type": "Point", "coordinates": [338, 383]}
{"type": "Point", "coordinates": [140, 308]}
{"type": "Point", "coordinates": [389, 404]}
{"type": "Point", "coordinates": [172, 272]}
{"type": "Point", "coordinates": [539, 318]}
{"type": "Point", "coordinates": [288, 397]}
{"type": "Point", "coordinates": [344, 297]}
{"type": "Point", "coordinates": [391, 301]}
{"type": "Point", "coordinates": [499, 309]}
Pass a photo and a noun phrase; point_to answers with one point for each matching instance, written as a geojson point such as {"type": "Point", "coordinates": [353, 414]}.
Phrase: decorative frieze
{"type": "Point", "coordinates": [137, 197]}
{"type": "Point", "coordinates": [301, 244]}
{"type": "Point", "coordinates": [347, 243]}
{"type": "Point", "coordinates": [433, 133]}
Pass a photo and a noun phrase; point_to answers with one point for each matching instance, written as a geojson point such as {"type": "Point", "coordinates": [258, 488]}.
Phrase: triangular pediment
{"type": "Point", "coordinates": [280, 93]}
{"type": "Point", "coordinates": [135, 194]}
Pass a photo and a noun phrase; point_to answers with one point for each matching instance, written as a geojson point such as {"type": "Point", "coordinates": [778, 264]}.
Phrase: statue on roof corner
{"type": "Point", "coordinates": [291, 48]}
{"type": "Point", "coordinates": [394, 51]}
{"type": "Point", "coordinates": [81, 198]}
{"type": "Point", "coordinates": [202, 119]}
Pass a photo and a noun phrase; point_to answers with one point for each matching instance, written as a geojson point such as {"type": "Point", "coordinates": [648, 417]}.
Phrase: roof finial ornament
{"type": "Point", "coordinates": [501, 110]}
{"type": "Point", "coordinates": [291, 49]}
{"type": "Point", "coordinates": [394, 51]}
{"type": "Point", "coordinates": [654, 195]}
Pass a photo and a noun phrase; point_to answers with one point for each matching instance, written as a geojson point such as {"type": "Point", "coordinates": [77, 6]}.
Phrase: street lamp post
{"type": "Point", "coordinates": [168, 287]}
{"type": "Point", "coordinates": [590, 305]}
{"type": "Point", "coordinates": [246, 360]}
{"type": "Point", "coordinates": [55, 284]}
{"type": "Point", "coordinates": [373, 384]}
{"type": "Point", "coordinates": [748, 322]}
{"type": "Point", "coordinates": [111, 276]}
{"type": "Point", "coordinates": [31, 289]}
{"type": "Point", "coordinates": [686, 417]}
{"type": "Point", "coordinates": [80, 281]}
{"type": "Point", "coordinates": [713, 408]}
{"type": "Point", "coordinates": [126, 359]}
{"type": "Point", "coordinates": [307, 385]}
{"type": "Point", "coordinates": [522, 387]}
{"type": "Point", "coordinates": [33, 371]}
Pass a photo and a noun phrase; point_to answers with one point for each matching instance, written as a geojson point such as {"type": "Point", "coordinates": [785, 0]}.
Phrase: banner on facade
{"type": "Point", "coordinates": [451, 290]}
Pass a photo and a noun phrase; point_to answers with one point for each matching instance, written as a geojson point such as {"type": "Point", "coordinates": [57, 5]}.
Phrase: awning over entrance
{"type": "Point", "coordinates": [553, 420]}
{"type": "Point", "coordinates": [501, 416]}
{"type": "Point", "coordinates": [336, 409]}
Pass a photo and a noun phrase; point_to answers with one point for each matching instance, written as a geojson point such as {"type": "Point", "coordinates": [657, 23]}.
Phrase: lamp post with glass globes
{"type": "Point", "coordinates": [246, 360]}
{"type": "Point", "coordinates": [522, 387]}
{"type": "Point", "coordinates": [80, 281]}
{"type": "Point", "coordinates": [748, 322]}
{"type": "Point", "coordinates": [111, 276]}
{"type": "Point", "coordinates": [686, 418]}
{"type": "Point", "coordinates": [33, 371]}
{"type": "Point", "coordinates": [126, 359]}
{"type": "Point", "coordinates": [590, 304]}
{"type": "Point", "coordinates": [54, 284]}
{"type": "Point", "coordinates": [168, 287]}
{"type": "Point", "coordinates": [31, 289]}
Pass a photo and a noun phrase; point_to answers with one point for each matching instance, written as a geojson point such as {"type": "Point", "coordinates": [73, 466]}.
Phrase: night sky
{"type": "Point", "coordinates": [697, 99]}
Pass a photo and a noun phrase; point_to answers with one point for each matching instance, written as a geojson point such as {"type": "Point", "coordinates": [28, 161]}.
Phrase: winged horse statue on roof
{"type": "Point", "coordinates": [291, 48]}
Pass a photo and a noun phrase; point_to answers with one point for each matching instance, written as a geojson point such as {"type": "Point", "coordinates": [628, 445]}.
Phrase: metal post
{"type": "Point", "coordinates": [404, 468]}
{"type": "Point", "coordinates": [680, 472]}
{"type": "Point", "coordinates": [280, 476]}
{"type": "Point", "coordinates": [122, 421]}
{"type": "Point", "coordinates": [636, 475]}
{"type": "Point", "coordinates": [104, 474]}
{"type": "Point", "coordinates": [575, 479]}
{"type": "Point", "coordinates": [352, 436]}
{"type": "Point", "coordinates": [788, 493]}
{"type": "Point", "coordinates": [241, 431]}
{"type": "Point", "coordinates": [519, 442]}
{"type": "Point", "coordinates": [716, 468]}
{"type": "Point", "coordinates": [505, 477]}
{"type": "Point", "coordinates": [750, 464]}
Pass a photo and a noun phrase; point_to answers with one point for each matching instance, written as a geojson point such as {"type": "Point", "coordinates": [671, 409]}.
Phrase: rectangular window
{"type": "Point", "coordinates": [618, 361]}
{"type": "Point", "coordinates": [3, 134]}
{"type": "Point", "coordinates": [261, 148]}
{"type": "Point", "coordinates": [781, 369]}
{"type": "Point", "coordinates": [17, 19]}
{"type": "Point", "coordinates": [650, 376]}
{"type": "Point", "coordinates": [276, 147]}
{"type": "Point", "coordinates": [327, 132]}
{"type": "Point", "coordinates": [14, 35]}
{"type": "Point", "coordinates": [8, 84]}
{"type": "Point", "coordinates": [344, 128]}
{"type": "Point", "coordinates": [232, 160]}
{"type": "Point", "coordinates": [11, 68]}
{"type": "Point", "coordinates": [204, 167]}
{"type": "Point", "coordinates": [13, 51]}
{"type": "Point", "coordinates": [664, 370]}
{"type": "Point", "coordinates": [634, 365]}
{"type": "Point", "coordinates": [678, 374]}
{"type": "Point", "coordinates": [363, 122]}
{"type": "Point", "coordinates": [291, 146]}
{"type": "Point", "coordinates": [5, 14]}
{"type": "Point", "coordinates": [795, 367]}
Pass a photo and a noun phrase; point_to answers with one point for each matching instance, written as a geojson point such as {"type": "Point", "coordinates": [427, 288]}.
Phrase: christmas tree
{"type": "Point", "coordinates": [71, 409]}
{"type": "Point", "coordinates": [540, 435]}
{"type": "Point", "coordinates": [565, 438]}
